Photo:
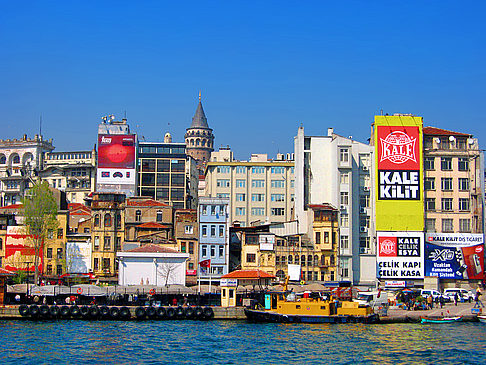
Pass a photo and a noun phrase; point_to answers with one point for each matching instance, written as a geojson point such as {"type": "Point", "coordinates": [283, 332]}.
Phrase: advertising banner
{"type": "Point", "coordinates": [266, 242]}
{"type": "Point", "coordinates": [78, 257]}
{"type": "Point", "coordinates": [19, 250]}
{"type": "Point", "coordinates": [399, 196]}
{"type": "Point", "coordinates": [454, 255]}
{"type": "Point", "coordinates": [400, 255]}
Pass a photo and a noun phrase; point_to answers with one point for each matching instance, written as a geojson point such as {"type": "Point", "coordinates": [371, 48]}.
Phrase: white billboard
{"type": "Point", "coordinates": [78, 257]}
{"type": "Point", "coordinates": [400, 255]}
{"type": "Point", "coordinates": [294, 272]}
{"type": "Point", "coordinates": [267, 241]}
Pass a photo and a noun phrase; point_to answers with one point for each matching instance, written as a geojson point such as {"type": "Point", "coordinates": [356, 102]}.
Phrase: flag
{"type": "Point", "coordinates": [205, 263]}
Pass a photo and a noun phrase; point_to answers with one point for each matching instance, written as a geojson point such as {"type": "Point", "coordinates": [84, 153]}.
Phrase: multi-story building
{"type": "Point", "coordinates": [54, 260]}
{"type": "Point", "coordinates": [260, 190]}
{"type": "Point", "coordinates": [213, 237]}
{"type": "Point", "coordinates": [336, 171]}
{"type": "Point", "coordinates": [73, 172]}
{"type": "Point", "coordinates": [186, 233]}
{"type": "Point", "coordinates": [20, 160]}
{"type": "Point", "coordinates": [167, 173]}
{"type": "Point", "coordinates": [108, 232]}
{"type": "Point", "coordinates": [453, 182]}
{"type": "Point", "coordinates": [199, 138]}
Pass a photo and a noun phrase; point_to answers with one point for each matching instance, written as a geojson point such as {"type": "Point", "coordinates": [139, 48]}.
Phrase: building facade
{"type": "Point", "coordinates": [186, 234]}
{"type": "Point", "coordinates": [260, 190]}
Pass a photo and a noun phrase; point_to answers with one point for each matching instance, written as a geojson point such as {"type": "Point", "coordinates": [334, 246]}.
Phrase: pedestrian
{"type": "Point", "coordinates": [441, 301]}
{"type": "Point", "coordinates": [174, 302]}
{"type": "Point", "coordinates": [68, 300]}
{"type": "Point", "coordinates": [430, 301]}
{"type": "Point", "coordinates": [456, 299]}
{"type": "Point", "coordinates": [476, 298]}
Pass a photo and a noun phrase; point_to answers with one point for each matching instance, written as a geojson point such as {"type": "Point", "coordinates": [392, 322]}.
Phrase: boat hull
{"type": "Point", "coordinates": [273, 317]}
{"type": "Point", "coordinates": [482, 319]}
{"type": "Point", "coordinates": [440, 320]}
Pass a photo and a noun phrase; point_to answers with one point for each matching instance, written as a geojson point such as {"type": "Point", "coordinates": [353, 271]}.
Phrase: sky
{"type": "Point", "coordinates": [264, 68]}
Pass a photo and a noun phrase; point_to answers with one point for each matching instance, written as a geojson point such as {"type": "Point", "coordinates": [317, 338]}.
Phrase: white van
{"type": "Point", "coordinates": [374, 299]}
{"type": "Point", "coordinates": [463, 293]}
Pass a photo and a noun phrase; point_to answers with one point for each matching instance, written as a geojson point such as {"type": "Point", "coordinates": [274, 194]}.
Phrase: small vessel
{"type": "Point", "coordinates": [312, 308]}
{"type": "Point", "coordinates": [482, 318]}
{"type": "Point", "coordinates": [440, 319]}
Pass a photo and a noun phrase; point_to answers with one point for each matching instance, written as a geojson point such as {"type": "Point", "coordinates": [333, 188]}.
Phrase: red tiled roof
{"type": "Point", "coordinates": [13, 206]}
{"type": "Point", "coordinates": [322, 206]}
{"type": "Point", "coordinates": [153, 248]}
{"type": "Point", "coordinates": [145, 203]}
{"type": "Point", "coordinates": [152, 225]}
{"type": "Point", "coordinates": [78, 209]}
{"type": "Point", "coordinates": [433, 131]}
{"type": "Point", "coordinates": [248, 274]}
{"type": "Point", "coordinates": [4, 272]}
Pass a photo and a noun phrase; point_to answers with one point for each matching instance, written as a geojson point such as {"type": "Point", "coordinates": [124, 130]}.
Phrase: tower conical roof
{"type": "Point", "coordinates": [199, 120]}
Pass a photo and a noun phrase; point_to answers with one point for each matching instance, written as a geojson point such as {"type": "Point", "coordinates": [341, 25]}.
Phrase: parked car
{"type": "Point", "coordinates": [436, 295]}
{"type": "Point", "coordinates": [373, 299]}
{"type": "Point", "coordinates": [465, 295]}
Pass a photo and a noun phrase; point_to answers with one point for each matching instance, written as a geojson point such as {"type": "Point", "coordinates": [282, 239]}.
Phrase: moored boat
{"type": "Point", "coordinates": [482, 318]}
{"type": "Point", "coordinates": [440, 319]}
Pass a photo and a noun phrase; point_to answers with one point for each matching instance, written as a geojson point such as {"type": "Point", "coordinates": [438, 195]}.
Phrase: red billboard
{"type": "Point", "coordinates": [19, 251]}
{"type": "Point", "coordinates": [398, 148]}
{"type": "Point", "coordinates": [116, 151]}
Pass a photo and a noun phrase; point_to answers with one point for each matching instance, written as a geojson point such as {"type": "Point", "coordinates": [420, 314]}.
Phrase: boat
{"type": "Point", "coordinates": [440, 319]}
{"type": "Point", "coordinates": [285, 307]}
{"type": "Point", "coordinates": [482, 319]}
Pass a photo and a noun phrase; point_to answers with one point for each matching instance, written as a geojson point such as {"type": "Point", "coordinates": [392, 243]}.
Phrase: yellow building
{"type": "Point", "coordinates": [54, 262]}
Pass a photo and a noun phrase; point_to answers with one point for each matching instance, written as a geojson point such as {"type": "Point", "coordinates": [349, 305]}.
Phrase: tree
{"type": "Point", "coordinates": [40, 217]}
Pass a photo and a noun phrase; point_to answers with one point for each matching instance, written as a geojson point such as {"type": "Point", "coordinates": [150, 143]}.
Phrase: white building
{"type": "Point", "coordinates": [152, 265]}
{"type": "Point", "coordinates": [336, 170]}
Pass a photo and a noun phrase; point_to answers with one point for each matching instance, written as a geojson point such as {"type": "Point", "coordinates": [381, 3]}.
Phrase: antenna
{"type": "Point", "coordinates": [40, 125]}
{"type": "Point", "coordinates": [125, 115]}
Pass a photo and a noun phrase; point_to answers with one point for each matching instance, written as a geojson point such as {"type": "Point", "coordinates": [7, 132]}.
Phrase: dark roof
{"type": "Point", "coordinates": [199, 120]}
{"type": "Point", "coordinates": [153, 248]}
{"type": "Point", "coordinates": [433, 131]}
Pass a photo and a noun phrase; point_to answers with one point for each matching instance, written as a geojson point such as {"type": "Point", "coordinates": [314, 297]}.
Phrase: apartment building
{"type": "Point", "coordinates": [186, 234]}
{"type": "Point", "coordinates": [260, 190]}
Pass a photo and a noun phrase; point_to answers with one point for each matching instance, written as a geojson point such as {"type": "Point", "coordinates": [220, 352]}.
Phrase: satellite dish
{"type": "Point", "coordinates": [437, 140]}
{"type": "Point", "coordinates": [470, 141]}
{"type": "Point", "coordinates": [452, 139]}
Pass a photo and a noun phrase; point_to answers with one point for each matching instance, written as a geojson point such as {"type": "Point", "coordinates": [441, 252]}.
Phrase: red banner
{"type": "Point", "coordinates": [116, 151]}
{"type": "Point", "coordinates": [205, 263]}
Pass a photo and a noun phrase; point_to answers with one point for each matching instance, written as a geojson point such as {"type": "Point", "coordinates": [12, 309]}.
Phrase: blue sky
{"type": "Point", "coordinates": [263, 68]}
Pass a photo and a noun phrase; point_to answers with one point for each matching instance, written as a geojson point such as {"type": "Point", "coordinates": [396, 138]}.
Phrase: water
{"type": "Point", "coordinates": [238, 342]}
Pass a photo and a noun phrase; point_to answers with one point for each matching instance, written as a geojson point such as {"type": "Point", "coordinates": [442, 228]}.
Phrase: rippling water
{"type": "Point", "coordinates": [235, 342]}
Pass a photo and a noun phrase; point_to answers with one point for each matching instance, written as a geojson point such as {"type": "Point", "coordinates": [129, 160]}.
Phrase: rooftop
{"type": "Point", "coordinates": [433, 131]}
{"type": "Point", "coordinates": [248, 274]}
{"type": "Point", "coordinates": [149, 248]}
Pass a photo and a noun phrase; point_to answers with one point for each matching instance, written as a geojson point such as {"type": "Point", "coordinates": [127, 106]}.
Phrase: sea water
{"type": "Point", "coordinates": [238, 342]}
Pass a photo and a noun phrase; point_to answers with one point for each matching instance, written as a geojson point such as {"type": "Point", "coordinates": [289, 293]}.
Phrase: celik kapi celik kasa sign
{"type": "Point", "coordinates": [399, 198]}
{"type": "Point", "coordinates": [454, 255]}
{"type": "Point", "coordinates": [400, 255]}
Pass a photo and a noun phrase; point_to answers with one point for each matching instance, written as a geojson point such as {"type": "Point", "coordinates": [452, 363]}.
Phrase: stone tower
{"type": "Point", "coordinates": [199, 138]}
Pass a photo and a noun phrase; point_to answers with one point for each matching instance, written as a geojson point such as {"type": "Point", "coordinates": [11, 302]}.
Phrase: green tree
{"type": "Point", "coordinates": [40, 217]}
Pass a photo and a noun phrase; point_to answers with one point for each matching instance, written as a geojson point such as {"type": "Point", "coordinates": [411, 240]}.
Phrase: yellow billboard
{"type": "Point", "coordinates": [399, 173]}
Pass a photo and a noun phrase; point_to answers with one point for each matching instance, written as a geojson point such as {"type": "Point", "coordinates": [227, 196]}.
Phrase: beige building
{"type": "Point", "coordinates": [260, 190]}
{"type": "Point", "coordinates": [453, 182]}
{"type": "Point", "coordinates": [186, 233]}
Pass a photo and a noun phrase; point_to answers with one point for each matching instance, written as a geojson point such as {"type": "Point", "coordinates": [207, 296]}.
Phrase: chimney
{"type": "Point", "coordinates": [330, 132]}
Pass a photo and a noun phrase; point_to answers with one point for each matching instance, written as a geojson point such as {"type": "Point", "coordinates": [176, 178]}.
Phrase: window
{"type": "Point", "coordinates": [318, 238]}
{"type": "Point", "coordinates": [429, 163]}
{"type": "Point", "coordinates": [344, 220]}
{"type": "Point", "coordinates": [183, 247]}
{"type": "Point", "coordinates": [213, 230]}
{"type": "Point", "coordinates": [364, 201]}
{"type": "Point", "coordinates": [258, 183]}
{"type": "Point", "coordinates": [429, 183]}
{"type": "Point", "coordinates": [240, 183]}
{"type": "Point", "coordinates": [241, 170]}
{"type": "Point", "coordinates": [278, 184]}
{"type": "Point", "coordinates": [118, 221]}
{"type": "Point", "coordinates": [204, 251]}
{"type": "Point", "coordinates": [49, 269]}
{"type": "Point", "coordinates": [59, 254]}
{"type": "Point", "coordinates": [221, 251]}
{"type": "Point", "coordinates": [326, 237]}
{"type": "Point", "coordinates": [446, 204]}
{"type": "Point", "coordinates": [240, 211]}
{"type": "Point", "coordinates": [278, 197]}
{"type": "Point", "coordinates": [344, 242]}
{"type": "Point", "coordinates": [213, 250]}
{"type": "Point", "coordinates": [364, 244]}
{"type": "Point", "coordinates": [86, 229]}
{"type": "Point", "coordinates": [464, 225]}
{"type": "Point", "coordinates": [446, 183]}
{"type": "Point", "coordinates": [221, 230]}
{"type": "Point", "coordinates": [117, 243]}
{"type": "Point", "coordinates": [463, 164]}
{"type": "Point", "coordinates": [345, 267]}
{"type": "Point", "coordinates": [250, 257]}
{"type": "Point", "coordinates": [204, 209]}
{"type": "Point", "coordinates": [464, 204]}
{"type": "Point", "coordinates": [97, 243]}
{"type": "Point", "coordinates": [290, 259]}
{"type": "Point", "coordinates": [257, 197]}
{"type": "Point", "coordinates": [107, 243]}
{"type": "Point", "coordinates": [292, 183]}
{"type": "Point", "coordinates": [107, 220]}
{"type": "Point", "coordinates": [204, 230]}
{"type": "Point", "coordinates": [188, 229]}
{"type": "Point", "coordinates": [223, 183]}
{"type": "Point", "coordinates": [59, 270]}
{"type": "Point", "coordinates": [49, 253]}
{"type": "Point", "coordinates": [60, 233]}
{"type": "Point", "coordinates": [50, 234]}
{"type": "Point", "coordinates": [213, 209]}
{"type": "Point", "coordinates": [106, 264]}
{"type": "Point", "coordinates": [222, 209]}
{"type": "Point", "coordinates": [223, 169]}
{"type": "Point", "coordinates": [344, 155]}
{"type": "Point", "coordinates": [344, 198]}
{"type": "Point", "coordinates": [258, 170]}
{"type": "Point", "coordinates": [160, 216]}
{"type": "Point", "coordinates": [446, 163]}
{"type": "Point", "coordinates": [430, 203]}
{"type": "Point", "coordinates": [1, 244]}
{"type": "Point", "coordinates": [240, 197]}
{"type": "Point", "coordinates": [96, 263]}
{"type": "Point", "coordinates": [138, 216]}
{"type": "Point", "coordinates": [278, 170]}
{"type": "Point", "coordinates": [430, 224]}
{"type": "Point", "coordinates": [463, 183]}
{"type": "Point", "coordinates": [344, 177]}
{"type": "Point", "coordinates": [222, 195]}
{"type": "Point", "coordinates": [278, 211]}
{"type": "Point", "coordinates": [257, 211]}
{"type": "Point", "coordinates": [191, 266]}
{"type": "Point", "coordinates": [447, 225]}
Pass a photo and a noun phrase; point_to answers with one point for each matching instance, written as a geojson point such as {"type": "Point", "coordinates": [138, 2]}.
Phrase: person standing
{"type": "Point", "coordinates": [477, 300]}
{"type": "Point", "coordinates": [430, 301]}
{"type": "Point", "coordinates": [456, 299]}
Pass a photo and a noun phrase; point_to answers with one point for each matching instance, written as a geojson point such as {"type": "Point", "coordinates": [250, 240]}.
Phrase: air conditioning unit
{"type": "Point", "coordinates": [365, 168]}
{"type": "Point", "coordinates": [362, 210]}
{"type": "Point", "coordinates": [363, 250]}
{"type": "Point", "coordinates": [343, 207]}
{"type": "Point", "coordinates": [363, 229]}
{"type": "Point", "coordinates": [366, 188]}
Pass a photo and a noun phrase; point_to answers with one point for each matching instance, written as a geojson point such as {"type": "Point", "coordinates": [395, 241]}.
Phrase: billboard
{"type": "Point", "coordinates": [399, 196]}
{"type": "Point", "coordinates": [19, 250]}
{"type": "Point", "coordinates": [266, 242]}
{"type": "Point", "coordinates": [78, 257]}
{"type": "Point", "coordinates": [454, 255]}
{"type": "Point", "coordinates": [400, 255]}
{"type": "Point", "coordinates": [116, 163]}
